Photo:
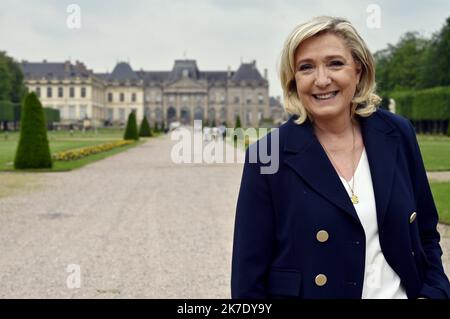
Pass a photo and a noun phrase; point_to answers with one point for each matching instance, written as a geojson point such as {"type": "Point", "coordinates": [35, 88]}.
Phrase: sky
{"type": "Point", "coordinates": [151, 34]}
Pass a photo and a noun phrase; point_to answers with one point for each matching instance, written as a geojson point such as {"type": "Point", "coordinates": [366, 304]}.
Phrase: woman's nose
{"type": "Point", "coordinates": [322, 78]}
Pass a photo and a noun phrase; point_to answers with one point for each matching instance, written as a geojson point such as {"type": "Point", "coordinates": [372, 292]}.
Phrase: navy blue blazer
{"type": "Point", "coordinates": [275, 249]}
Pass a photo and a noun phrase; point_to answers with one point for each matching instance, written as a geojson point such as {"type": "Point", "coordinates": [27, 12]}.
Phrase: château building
{"type": "Point", "coordinates": [182, 94]}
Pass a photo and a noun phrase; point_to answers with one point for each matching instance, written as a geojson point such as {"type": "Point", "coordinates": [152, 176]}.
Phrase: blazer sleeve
{"type": "Point", "coordinates": [253, 234]}
{"type": "Point", "coordinates": [436, 284]}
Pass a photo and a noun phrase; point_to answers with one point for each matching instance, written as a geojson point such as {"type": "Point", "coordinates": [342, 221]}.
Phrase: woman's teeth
{"type": "Point", "coordinates": [325, 96]}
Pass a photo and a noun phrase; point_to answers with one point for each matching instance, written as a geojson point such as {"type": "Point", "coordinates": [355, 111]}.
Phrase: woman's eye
{"type": "Point", "coordinates": [304, 67]}
{"type": "Point", "coordinates": [336, 63]}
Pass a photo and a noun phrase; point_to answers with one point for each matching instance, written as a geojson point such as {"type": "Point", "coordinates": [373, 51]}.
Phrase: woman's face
{"type": "Point", "coordinates": [326, 76]}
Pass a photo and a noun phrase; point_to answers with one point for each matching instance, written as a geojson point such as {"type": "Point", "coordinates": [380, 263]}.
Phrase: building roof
{"type": "Point", "coordinates": [153, 76]}
{"type": "Point", "coordinates": [247, 72]}
{"type": "Point", "coordinates": [215, 76]}
{"type": "Point", "coordinates": [182, 68]}
{"type": "Point", "coordinates": [122, 72]}
{"type": "Point", "coordinates": [44, 69]}
{"type": "Point", "coordinates": [275, 102]}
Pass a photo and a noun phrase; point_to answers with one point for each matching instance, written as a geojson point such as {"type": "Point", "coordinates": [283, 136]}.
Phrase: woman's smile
{"type": "Point", "coordinates": [325, 97]}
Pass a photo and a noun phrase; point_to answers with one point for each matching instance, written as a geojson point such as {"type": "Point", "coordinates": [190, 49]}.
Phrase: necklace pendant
{"type": "Point", "coordinates": [355, 199]}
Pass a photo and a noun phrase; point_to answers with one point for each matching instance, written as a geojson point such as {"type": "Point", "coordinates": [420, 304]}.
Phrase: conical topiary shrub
{"type": "Point", "coordinates": [238, 122]}
{"type": "Point", "coordinates": [131, 131]}
{"type": "Point", "coordinates": [144, 130]}
{"type": "Point", "coordinates": [33, 150]}
{"type": "Point", "coordinates": [238, 129]}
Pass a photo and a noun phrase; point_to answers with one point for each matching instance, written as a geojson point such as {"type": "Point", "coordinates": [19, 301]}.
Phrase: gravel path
{"type": "Point", "coordinates": [137, 225]}
{"type": "Point", "coordinates": [439, 176]}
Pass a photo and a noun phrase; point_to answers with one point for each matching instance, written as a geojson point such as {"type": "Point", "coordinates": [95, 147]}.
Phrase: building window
{"type": "Point", "coordinates": [60, 92]}
{"type": "Point", "coordinates": [249, 99]}
{"type": "Point", "coordinates": [222, 99]}
{"type": "Point", "coordinates": [185, 73]}
{"type": "Point", "coordinates": [122, 114]}
{"type": "Point", "coordinates": [184, 98]}
{"type": "Point", "coordinates": [83, 111]}
{"type": "Point", "coordinates": [83, 92]}
{"type": "Point", "coordinates": [110, 97]}
{"type": "Point", "coordinates": [158, 98]}
{"type": "Point", "coordinates": [147, 98]}
{"type": "Point", "coordinates": [72, 111]}
{"type": "Point", "coordinates": [171, 98]}
{"type": "Point", "coordinates": [236, 99]}
{"type": "Point", "coordinates": [260, 99]}
{"type": "Point", "coordinates": [62, 115]}
{"type": "Point", "coordinates": [122, 97]}
{"type": "Point", "coordinates": [133, 97]}
{"type": "Point", "coordinates": [49, 92]}
{"type": "Point", "coordinates": [147, 113]}
{"type": "Point", "coordinates": [71, 92]}
{"type": "Point", "coordinates": [110, 114]}
{"type": "Point", "coordinates": [38, 91]}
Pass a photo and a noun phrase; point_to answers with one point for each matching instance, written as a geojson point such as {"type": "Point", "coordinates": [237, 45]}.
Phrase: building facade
{"type": "Point", "coordinates": [182, 94]}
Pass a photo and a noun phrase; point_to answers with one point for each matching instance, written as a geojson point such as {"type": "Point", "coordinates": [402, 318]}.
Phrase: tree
{"type": "Point", "coordinates": [144, 130]}
{"type": "Point", "coordinates": [33, 150]}
{"type": "Point", "coordinates": [12, 88]}
{"type": "Point", "coordinates": [401, 66]}
{"type": "Point", "coordinates": [5, 80]}
{"type": "Point", "coordinates": [131, 131]}
{"type": "Point", "coordinates": [437, 63]}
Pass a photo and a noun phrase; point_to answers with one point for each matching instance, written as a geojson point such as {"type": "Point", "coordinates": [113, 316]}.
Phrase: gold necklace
{"type": "Point", "coordinates": [354, 198]}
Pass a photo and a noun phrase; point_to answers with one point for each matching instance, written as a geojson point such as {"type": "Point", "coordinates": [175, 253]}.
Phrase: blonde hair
{"type": "Point", "coordinates": [365, 100]}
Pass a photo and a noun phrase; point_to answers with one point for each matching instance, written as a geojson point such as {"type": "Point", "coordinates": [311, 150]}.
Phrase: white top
{"type": "Point", "coordinates": [380, 280]}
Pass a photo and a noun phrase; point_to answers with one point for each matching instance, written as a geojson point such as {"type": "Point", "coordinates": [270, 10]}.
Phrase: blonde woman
{"type": "Point", "coordinates": [349, 213]}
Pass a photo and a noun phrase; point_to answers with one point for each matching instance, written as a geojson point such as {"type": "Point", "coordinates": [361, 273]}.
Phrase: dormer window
{"type": "Point", "coordinates": [185, 73]}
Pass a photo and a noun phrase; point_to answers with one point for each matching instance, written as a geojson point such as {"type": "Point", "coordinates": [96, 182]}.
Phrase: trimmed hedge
{"type": "Point", "coordinates": [7, 111]}
{"type": "Point", "coordinates": [33, 150]}
{"type": "Point", "coordinates": [51, 115]}
{"type": "Point", "coordinates": [428, 104]}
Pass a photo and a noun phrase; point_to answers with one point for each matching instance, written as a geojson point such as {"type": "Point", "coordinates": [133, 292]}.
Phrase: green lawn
{"type": "Point", "coordinates": [63, 140]}
{"type": "Point", "coordinates": [435, 152]}
{"type": "Point", "coordinates": [441, 195]}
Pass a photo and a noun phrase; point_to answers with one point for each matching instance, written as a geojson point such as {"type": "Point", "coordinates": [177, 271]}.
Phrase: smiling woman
{"type": "Point", "coordinates": [349, 213]}
{"type": "Point", "coordinates": [326, 75]}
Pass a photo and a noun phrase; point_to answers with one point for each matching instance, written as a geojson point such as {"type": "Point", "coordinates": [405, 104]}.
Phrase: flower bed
{"type": "Point", "coordinates": [75, 154]}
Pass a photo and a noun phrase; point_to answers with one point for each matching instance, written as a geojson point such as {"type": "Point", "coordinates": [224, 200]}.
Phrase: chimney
{"type": "Point", "coordinates": [229, 71]}
{"type": "Point", "coordinates": [44, 61]}
{"type": "Point", "coordinates": [265, 74]}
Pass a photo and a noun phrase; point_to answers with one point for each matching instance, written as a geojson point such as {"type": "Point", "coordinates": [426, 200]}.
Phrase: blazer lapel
{"type": "Point", "coordinates": [381, 143]}
{"type": "Point", "coordinates": [306, 157]}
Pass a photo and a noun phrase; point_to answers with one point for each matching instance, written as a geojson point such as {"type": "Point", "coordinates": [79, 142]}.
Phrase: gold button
{"type": "Point", "coordinates": [322, 236]}
{"type": "Point", "coordinates": [321, 280]}
{"type": "Point", "coordinates": [412, 218]}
